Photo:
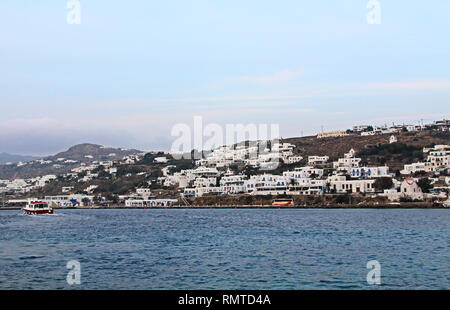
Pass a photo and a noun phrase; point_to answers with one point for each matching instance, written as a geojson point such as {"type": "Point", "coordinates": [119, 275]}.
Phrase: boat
{"type": "Point", "coordinates": [283, 202]}
{"type": "Point", "coordinates": [437, 203]}
{"type": "Point", "coordinates": [446, 203]}
{"type": "Point", "coordinates": [37, 207]}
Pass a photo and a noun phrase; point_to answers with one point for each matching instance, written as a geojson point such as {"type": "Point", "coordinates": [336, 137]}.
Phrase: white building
{"type": "Point", "coordinates": [304, 172]}
{"type": "Point", "coordinates": [143, 192]}
{"type": "Point", "coordinates": [359, 128]}
{"type": "Point", "coordinates": [348, 162]}
{"type": "Point", "coordinates": [66, 189]}
{"type": "Point", "coordinates": [340, 184]}
{"type": "Point", "coordinates": [201, 191]}
{"type": "Point", "coordinates": [140, 203]}
{"type": "Point", "coordinates": [267, 184]}
{"type": "Point", "coordinates": [317, 160]}
{"type": "Point", "coordinates": [413, 168]}
{"type": "Point", "coordinates": [307, 186]}
{"type": "Point", "coordinates": [370, 133]}
{"type": "Point", "coordinates": [69, 200]}
{"type": "Point", "coordinates": [370, 172]}
{"type": "Point", "coordinates": [392, 139]}
{"type": "Point", "coordinates": [205, 182]}
{"type": "Point", "coordinates": [294, 159]}
{"type": "Point", "coordinates": [233, 184]}
{"type": "Point", "coordinates": [438, 158]}
{"type": "Point", "coordinates": [161, 160]}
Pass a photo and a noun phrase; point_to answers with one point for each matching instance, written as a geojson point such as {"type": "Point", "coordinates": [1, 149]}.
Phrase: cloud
{"type": "Point", "coordinates": [410, 85]}
{"type": "Point", "coordinates": [147, 124]}
{"type": "Point", "coordinates": [275, 79]}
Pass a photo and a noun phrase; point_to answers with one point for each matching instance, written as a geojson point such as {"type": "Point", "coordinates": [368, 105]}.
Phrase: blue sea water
{"type": "Point", "coordinates": [226, 249]}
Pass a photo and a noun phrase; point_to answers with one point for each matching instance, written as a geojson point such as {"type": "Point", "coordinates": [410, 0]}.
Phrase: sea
{"type": "Point", "coordinates": [226, 249]}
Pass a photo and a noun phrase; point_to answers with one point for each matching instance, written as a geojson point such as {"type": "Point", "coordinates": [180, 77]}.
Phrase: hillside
{"type": "Point", "coordinates": [373, 149]}
{"type": "Point", "coordinates": [81, 153]}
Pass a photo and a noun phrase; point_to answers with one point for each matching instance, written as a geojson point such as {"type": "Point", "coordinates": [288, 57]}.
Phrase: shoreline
{"type": "Point", "coordinates": [334, 206]}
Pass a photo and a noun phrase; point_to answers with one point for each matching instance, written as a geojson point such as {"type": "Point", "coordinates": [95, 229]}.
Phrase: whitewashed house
{"type": "Point", "coordinates": [348, 162]}
{"type": "Point", "coordinates": [317, 160]}
{"type": "Point", "coordinates": [413, 168]}
{"type": "Point", "coordinates": [233, 184]}
{"type": "Point", "coordinates": [294, 159]}
{"type": "Point", "coordinates": [370, 172]}
{"type": "Point", "coordinates": [340, 184]}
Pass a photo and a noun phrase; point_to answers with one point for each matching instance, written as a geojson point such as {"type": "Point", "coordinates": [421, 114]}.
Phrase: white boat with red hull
{"type": "Point", "coordinates": [37, 207]}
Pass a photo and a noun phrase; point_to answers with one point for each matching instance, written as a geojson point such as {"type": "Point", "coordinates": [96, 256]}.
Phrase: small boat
{"type": "Point", "coordinates": [283, 202]}
{"type": "Point", "coordinates": [37, 207]}
{"type": "Point", "coordinates": [437, 203]}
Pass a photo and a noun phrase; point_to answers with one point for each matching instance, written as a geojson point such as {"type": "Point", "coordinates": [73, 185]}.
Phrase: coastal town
{"type": "Point", "coordinates": [252, 173]}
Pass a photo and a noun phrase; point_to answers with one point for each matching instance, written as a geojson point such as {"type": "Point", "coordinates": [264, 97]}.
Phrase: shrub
{"type": "Point", "coordinates": [383, 183]}
{"type": "Point", "coordinates": [343, 199]}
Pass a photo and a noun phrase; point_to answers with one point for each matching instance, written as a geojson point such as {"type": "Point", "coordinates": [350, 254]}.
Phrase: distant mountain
{"type": "Point", "coordinates": [90, 152]}
{"type": "Point", "coordinates": [63, 162]}
{"type": "Point", "coordinates": [14, 158]}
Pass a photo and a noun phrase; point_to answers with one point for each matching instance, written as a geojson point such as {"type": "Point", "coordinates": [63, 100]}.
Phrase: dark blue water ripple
{"type": "Point", "coordinates": [226, 249]}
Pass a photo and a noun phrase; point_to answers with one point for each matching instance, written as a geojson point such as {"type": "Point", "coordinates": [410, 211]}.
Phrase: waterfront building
{"type": "Point", "coordinates": [150, 202]}
{"type": "Point", "coordinates": [340, 184]}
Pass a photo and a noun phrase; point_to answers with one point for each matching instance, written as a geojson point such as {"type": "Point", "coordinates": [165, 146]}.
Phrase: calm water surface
{"type": "Point", "coordinates": [226, 249]}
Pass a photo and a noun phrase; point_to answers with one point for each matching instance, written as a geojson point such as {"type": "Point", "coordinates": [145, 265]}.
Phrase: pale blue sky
{"type": "Point", "coordinates": [129, 72]}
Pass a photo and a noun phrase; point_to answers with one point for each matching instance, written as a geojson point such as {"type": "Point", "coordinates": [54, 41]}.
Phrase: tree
{"type": "Point", "coordinates": [424, 184]}
{"type": "Point", "coordinates": [328, 187]}
{"type": "Point", "coordinates": [112, 197]}
{"type": "Point", "coordinates": [314, 176]}
{"type": "Point", "coordinates": [86, 201]}
{"type": "Point", "coordinates": [383, 183]}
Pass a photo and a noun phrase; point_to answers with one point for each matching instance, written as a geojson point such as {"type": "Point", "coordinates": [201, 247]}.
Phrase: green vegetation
{"type": "Point", "coordinates": [425, 185]}
{"type": "Point", "coordinates": [383, 183]}
{"type": "Point", "coordinates": [181, 164]}
{"type": "Point", "coordinates": [406, 152]}
{"type": "Point", "coordinates": [119, 187]}
{"type": "Point", "coordinates": [126, 169]}
{"type": "Point", "coordinates": [149, 158]}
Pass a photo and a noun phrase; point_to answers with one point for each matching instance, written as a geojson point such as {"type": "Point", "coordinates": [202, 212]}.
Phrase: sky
{"type": "Point", "coordinates": [130, 71]}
